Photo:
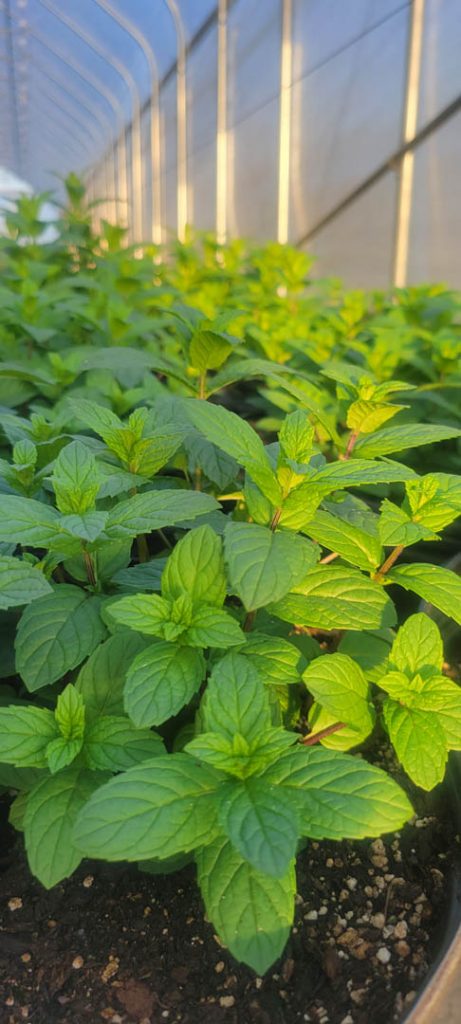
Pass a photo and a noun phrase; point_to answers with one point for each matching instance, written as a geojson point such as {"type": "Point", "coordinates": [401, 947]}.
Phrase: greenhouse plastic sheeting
{"type": "Point", "coordinates": [71, 76]}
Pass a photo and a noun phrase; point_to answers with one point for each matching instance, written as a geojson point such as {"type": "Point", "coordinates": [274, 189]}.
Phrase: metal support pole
{"type": "Point", "coordinates": [155, 148]}
{"type": "Point", "coordinates": [410, 123]}
{"type": "Point", "coordinates": [119, 170]}
{"type": "Point", "coordinates": [286, 69]}
{"type": "Point", "coordinates": [131, 85]}
{"type": "Point", "coordinates": [181, 117]}
{"type": "Point", "coordinates": [221, 126]}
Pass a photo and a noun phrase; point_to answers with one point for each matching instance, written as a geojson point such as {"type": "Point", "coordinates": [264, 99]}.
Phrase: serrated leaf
{"type": "Point", "coordinates": [364, 417]}
{"type": "Point", "coordinates": [113, 744]}
{"type": "Point", "coordinates": [418, 646]}
{"type": "Point", "coordinates": [24, 735]}
{"type": "Point", "coordinates": [27, 522]}
{"type": "Point", "coordinates": [164, 807]}
{"type": "Point", "coordinates": [276, 660]}
{"type": "Point", "coordinates": [343, 739]}
{"type": "Point", "coordinates": [419, 742]}
{"type": "Point", "coordinates": [440, 587]}
{"type": "Point", "coordinates": [196, 567]}
{"type": "Point", "coordinates": [236, 438]}
{"type": "Point", "coordinates": [235, 699]}
{"type": "Point", "coordinates": [370, 649]}
{"type": "Point", "coordinates": [52, 808]}
{"type": "Point", "coordinates": [353, 544]}
{"type": "Point", "coordinates": [357, 472]}
{"type": "Point", "coordinates": [213, 627]}
{"type": "Point", "coordinates": [20, 582]}
{"type": "Point", "coordinates": [154, 510]}
{"type": "Point", "coordinates": [396, 528]}
{"type": "Point", "coordinates": [160, 681]}
{"type": "Point", "coordinates": [61, 752]}
{"type": "Point", "coordinates": [75, 479]}
{"type": "Point", "coordinates": [251, 911]}
{"type": "Point", "coordinates": [263, 566]}
{"type": "Point", "coordinates": [260, 826]}
{"type": "Point", "coordinates": [146, 576]}
{"type": "Point", "coordinates": [296, 437]}
{"type": "Point", "coordinates": [145, 613]}
{"type": "Point", "coordinates": [434, 500]}
{"type": "Point", "coordinates": [339, 685]}
{"type": "Point", "coordinates": [398, 439]}
{"type": "Point", "coordinates": [334, 597]}
{"type": "Point", "coordinates": [340, 796]}
{"type": "Point", "coordinates": [55, 634]}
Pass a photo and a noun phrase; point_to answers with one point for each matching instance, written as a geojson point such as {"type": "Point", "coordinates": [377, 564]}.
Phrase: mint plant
{"type": "Point", "coordinates": [206, 531]}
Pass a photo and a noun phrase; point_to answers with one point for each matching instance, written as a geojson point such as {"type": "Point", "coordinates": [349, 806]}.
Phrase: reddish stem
{"type": "Point", "coordinates": [311, 739]}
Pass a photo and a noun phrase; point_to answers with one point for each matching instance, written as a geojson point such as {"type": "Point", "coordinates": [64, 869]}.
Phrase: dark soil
{"type": "Point", "coordinates": [112, 944]}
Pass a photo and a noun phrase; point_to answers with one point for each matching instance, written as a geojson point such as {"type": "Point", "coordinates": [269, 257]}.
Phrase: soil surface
{"type": "Point", "coordinates": [112, 944]}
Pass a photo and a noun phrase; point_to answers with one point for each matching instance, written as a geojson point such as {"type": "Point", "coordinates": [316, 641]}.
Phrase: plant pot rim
{"type": "Point", "coordinates": [440, 1000]}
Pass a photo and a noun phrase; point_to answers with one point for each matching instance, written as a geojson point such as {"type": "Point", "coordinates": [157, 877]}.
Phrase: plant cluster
{"type": "Point", "coordinates": [204, 545]}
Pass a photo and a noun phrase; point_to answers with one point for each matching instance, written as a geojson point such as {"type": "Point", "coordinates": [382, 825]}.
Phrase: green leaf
{"type": "Point", "coordinates": [357, 472]}
{"type": "Point", "coordinates": [251, 911]}
{"type": "Point", "coordinates": [146, 576]}
{"type": "Point", "coordinates": [160, 681]}
{"type": "Point", "coordinates": [155, 509]}
{"type": "Point", "coordinates": [20, 582]}
{"type": "Point", "coordinates": [434, 500]}
{"type": "Point", "coordinates": [396, 528]}
{"type": "Point", "coordinates": [339, 685]}
{"type": "Point", "coordinates": [440, 587]}
{"type": "Point", "coordinates": [353, 544]}
{"type": "Point", "coordinates": [70, 713]}
{"type": "Point", "coordinates": [364, 417]}
{"type": "Point", "coordinates": [27, 522]}
{"type": "Point", "coordinates": [336, 597]}
{"type": "Point", "coordinates": [145, 613]}
{"type": "Point", "coordinates": [237, 756]}
{"type": "Point", "coordinates": [55, 634]}
{"type": "Point", "coordinates": [87, 527]}
{"type": "Point", "coordinates": [157, 809]}
{"type": "Point", "coordinates": [101, 679]}
{"type": "Point", "coordinates": [196, 567]}
{"type": "Point", "coordinates": [113, 744]}
{"type": "Point", "coordinates": [236, 438]}
{"type": "Point", "coordinates": [296, 437]}
{"type": "Point", "coordinates": [214, 627]}
{"type": "Point", "coordinates": [52, 808]}
{"type": "Point", "coordinates": [22, 779]}
{"type": "Point", "coordinates": [443, 697]}
{"type": "Point", "coordinates": [208, 350]}
{"type": "Point", "coordinates": [276, 660]}
{"type": "Point", "coordinates": [236, 700]}
{"type": "Point", "coordinates": [263, 828]}
{"type": "Point", "coordinates": [24, 735]}
{"type": "Point", "coordinates": [340, 796]}
{"type": "Point", "coordinates": [61, 752]}
{"type": "Point", "coordinates": [344, 739]}
{"type": "Point", "coordinates": [418, 646]}
{"type": "Point", "coordinates": [398, 439]}
{"type": "Point", "coordinates": [419, 742]}
{"type": "Point", "coordinates": [370, 649]}
{"type": "Point", "coordinates": [75, 479]}
{"type": "Point", "coordinates": [263, 566]}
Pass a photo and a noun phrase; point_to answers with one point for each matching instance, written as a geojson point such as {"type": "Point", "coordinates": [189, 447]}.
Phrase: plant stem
{"type": "Point", "coordinates": [143, 548]}
{"type": "Point", "coordinates": [311, 739]}
{"type": "Point", "coordinates": [353, 437]}
{"type": "Point", "coordinates": [275, 519]}
{"type": "Point", "coordinates": [388, 563]}
{"type": "Point", "coordinates": [89, 566]}
{"type": "Point", "coordinates": [202, 386]}
{"type": "Point", "coordinates": [329, 558]}
{"type": "Point", "coordinates": [249, 620]}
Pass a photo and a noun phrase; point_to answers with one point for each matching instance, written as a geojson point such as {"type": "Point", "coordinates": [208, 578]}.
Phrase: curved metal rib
{"type": "Point", "coordinates": [221, 126]}
{"type": "Point", "coordinates": [102, 121]}
{"type": "Point", "coordinates": [181, 117]}
{"type": "Point", "coordinates": [119, 67]}
{"type": "Point", "coordinates": [156, 162]}
{"type": "Point", "coordinates": [119, 148]}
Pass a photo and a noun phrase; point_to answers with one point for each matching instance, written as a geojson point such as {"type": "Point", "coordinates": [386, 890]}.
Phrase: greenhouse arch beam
{"type": "Point", "coordinates": [130, 83]}
{"type": "Point", "coordinates": [119, 148]}
{"type": "Point", "coordinates": [181, 119]}
{"type": "Point", "coordinates": [155, 146]}
{"type": "Point", "coordinates": [410, 123]}
{"type": "Point", "coordinates": [102, 121]}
